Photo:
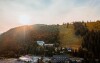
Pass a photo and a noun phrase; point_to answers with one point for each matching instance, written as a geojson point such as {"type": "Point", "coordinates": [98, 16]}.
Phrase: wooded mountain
{"type": "Point", "coordinates": [22, 40]}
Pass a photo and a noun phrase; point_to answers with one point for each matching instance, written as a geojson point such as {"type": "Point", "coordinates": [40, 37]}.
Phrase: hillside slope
{"type": "Point", "coordinates": [93, 25]}
{"type": "Point", "coordinates": [22, 40]}
{"type": "Point", "coordinates": [68, 37]}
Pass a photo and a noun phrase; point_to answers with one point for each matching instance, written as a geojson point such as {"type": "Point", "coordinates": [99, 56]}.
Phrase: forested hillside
{"type": "Point", "coordinates": [90, 47]}
{"type": "Point", "coordinates": [83, 37]}
{"type": "Point", "coordinates": [22, 40]}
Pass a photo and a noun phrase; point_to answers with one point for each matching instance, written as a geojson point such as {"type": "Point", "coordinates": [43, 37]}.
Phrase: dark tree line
{"type": "Point", "coordinates": [91, 42]}
{"type": "Point", "coordinates": [90, 47]}
{"type": "Point", "coordinates": [80, 29]}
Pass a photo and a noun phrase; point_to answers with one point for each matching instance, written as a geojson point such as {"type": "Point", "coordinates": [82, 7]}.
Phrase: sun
{"type": "Point", "coordinates": [24, 20]}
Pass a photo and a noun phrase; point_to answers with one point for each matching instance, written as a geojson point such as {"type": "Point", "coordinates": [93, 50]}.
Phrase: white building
{"type": "Point", "coordinates": [41, 43]}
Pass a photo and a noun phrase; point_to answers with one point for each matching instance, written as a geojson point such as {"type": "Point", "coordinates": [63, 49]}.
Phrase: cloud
{"type": "Point", "coordinates": [47, 11]}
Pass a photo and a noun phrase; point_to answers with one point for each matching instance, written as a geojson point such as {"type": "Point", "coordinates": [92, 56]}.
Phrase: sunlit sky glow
{"type": "Point", "coordinates": [15, 13]}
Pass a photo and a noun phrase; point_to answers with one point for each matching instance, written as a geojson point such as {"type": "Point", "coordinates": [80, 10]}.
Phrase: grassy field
{"type": "Point", "coordinates": [93, 25]}
{"type": "Point", "coordinates": [68, 37]}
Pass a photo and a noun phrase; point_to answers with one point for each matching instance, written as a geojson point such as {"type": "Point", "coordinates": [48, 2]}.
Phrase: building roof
{"type": "Point", "coordinates": [75, 58]}
{"type": "Point", "coordinates": [41, 43]}
{"type": "Point", "coordinates": [69, 49]}
{"type": "Point", "coordinates": [48, 44]}
{"type": "Point", "coordinates": [60, 58]}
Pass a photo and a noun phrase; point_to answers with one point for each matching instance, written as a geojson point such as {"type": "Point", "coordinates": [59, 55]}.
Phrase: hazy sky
{"type": "Point", "coordinates": [15, 13]}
